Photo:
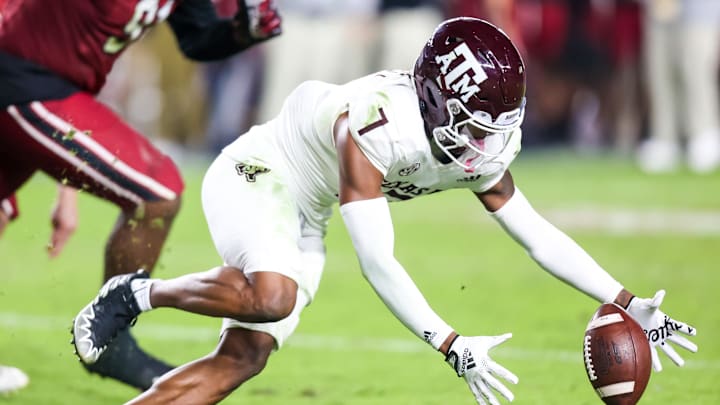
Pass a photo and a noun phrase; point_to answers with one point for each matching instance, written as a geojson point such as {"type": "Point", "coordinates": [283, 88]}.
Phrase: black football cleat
{"type": "Point", "coordinates": [114, 309]}
{"type": "Point", "coordinates": [125, 361]}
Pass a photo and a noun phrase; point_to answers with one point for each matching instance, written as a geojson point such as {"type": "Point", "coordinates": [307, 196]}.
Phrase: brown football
{"type": "Point", "coordinates": [617, 356]}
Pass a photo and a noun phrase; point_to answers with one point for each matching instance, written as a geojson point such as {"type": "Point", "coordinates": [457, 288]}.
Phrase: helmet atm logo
{"type": "Point", "coordinates": [458, 78]}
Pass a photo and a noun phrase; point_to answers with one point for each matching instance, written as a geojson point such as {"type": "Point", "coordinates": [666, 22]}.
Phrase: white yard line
{"type": "Point", "coordinates": [165, 332]}
{"type": "Point", "coordinates": [602, 219]}
{"type": "Point", "coordinates": [632, 222]}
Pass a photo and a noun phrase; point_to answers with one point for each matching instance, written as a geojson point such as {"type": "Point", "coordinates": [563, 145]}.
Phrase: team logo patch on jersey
{"type": "Point", "coordinates": [250, 171]}
{"type": "Point", "coordinates": [409, 170]}
{"type": "Point", "coordinates": [469, 179]}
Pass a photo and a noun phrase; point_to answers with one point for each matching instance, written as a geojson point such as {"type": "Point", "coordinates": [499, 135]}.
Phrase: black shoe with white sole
{"type": "Point", "coordinates": [114, 309]}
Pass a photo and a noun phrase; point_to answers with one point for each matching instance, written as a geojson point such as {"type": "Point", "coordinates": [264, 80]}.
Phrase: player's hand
{"type": "Point", "coordinates": [468, 356]}
{"type": "Point", "coordinates": [261, 18]}
{"type": "Point", "coordinates": [64, 220]}
{"type": "Point", "coordinates": [660, 329]}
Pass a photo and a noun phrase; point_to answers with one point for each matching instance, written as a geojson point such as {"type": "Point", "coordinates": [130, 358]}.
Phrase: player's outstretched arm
{"type": "Point", "coordinates": [367, 218]}
{"type": "Point", "coordinates": [551, 248]}
{"type": "Point", "coordinates": [561, 256]}
{"type": "Point", "coordinates": [370, 229]}
{"type": "Point", "coordinates": [366, 214]}
{"type": "Point", "coordinates": [202, 36]}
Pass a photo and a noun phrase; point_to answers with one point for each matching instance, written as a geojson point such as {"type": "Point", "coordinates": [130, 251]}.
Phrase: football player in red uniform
{"type": "Point", "coordinates": [54, 58]}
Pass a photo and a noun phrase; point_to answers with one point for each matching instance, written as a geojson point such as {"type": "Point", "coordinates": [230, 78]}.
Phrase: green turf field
{"type": "Point", "coordinates": [651, 232]}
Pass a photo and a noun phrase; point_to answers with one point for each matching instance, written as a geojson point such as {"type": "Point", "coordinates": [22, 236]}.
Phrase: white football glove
{"type": "Point", "coordinates": [660, 329]}
{"type": "Point", "coordinates": [468, 356]}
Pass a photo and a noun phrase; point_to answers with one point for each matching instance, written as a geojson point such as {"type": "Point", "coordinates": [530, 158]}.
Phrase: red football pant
{"type": "Point", "coordinates": [83, 144]}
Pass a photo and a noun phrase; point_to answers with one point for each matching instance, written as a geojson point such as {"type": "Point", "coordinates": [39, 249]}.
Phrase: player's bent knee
{"type": "Point", "coordinates": [276, 307]}
{"type": "Point", "coordinates": [275, 295]}
{"type": "Point", "coordinates": [166, 209]}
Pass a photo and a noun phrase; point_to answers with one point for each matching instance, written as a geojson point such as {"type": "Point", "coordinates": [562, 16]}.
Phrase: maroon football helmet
{"type": "Point", "coordinates": [470, 81]}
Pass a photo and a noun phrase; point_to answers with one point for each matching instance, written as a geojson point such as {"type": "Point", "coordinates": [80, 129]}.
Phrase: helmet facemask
{"type": "Point", "coordinates": [472, 139]}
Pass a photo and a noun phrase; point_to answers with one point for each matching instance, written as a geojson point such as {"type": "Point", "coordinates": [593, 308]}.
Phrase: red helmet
{"type": "Point", "coordinates": [470, 74]}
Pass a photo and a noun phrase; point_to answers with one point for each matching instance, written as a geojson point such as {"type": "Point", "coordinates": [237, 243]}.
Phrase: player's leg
{"type": "Point", "coordinates": [699, 54]}
{"type": "Point", "coordinates": [244, 348]}
{"type": "Point", "coordinates": [4, 218]}
{"type": "Point", "coordinates": [257, 231]}
{"type": "Point", "coordinates": [255, 226]}
{"type": "Point", "coordinates": [240, 355]}
{"type": "Point", "coordinates": [138, 236]}
{"type": "Point", "coordinates": [8, 206]}
{"type": "Point", "coordinates": [129, 171]}
{"type": "Point", "coordinates": [15, 170]}
{"type": "Point", "coordinates": [83, 144]}
{"type": "Point", "coordinates": [661, 151]}
{"type": "Point", "coordinates": [227, 292]}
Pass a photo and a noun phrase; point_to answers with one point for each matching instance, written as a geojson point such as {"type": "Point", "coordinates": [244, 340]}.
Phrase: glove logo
{"type": "Point", "coordinates": [468, 363]}
{"type": "Point", "coordinates": [480, 376]}
{"type": "Point", "coordinates": [662, 332]}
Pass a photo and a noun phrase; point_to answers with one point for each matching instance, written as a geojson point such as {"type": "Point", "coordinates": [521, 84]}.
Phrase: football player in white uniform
{"type": "Point", "coordinates": [454, 122]}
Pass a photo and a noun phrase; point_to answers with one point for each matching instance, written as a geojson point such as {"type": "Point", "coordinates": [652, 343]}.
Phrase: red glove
{"type": "Point", "coordinates": [261, 17]}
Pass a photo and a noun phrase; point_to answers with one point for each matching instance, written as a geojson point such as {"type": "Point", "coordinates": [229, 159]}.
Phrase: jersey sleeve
{"type": "Point", "coordinates": [372, 126]}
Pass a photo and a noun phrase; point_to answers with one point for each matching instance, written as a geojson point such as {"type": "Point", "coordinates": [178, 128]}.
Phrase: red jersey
{"type": "Point", "coordinates": [79, 40]}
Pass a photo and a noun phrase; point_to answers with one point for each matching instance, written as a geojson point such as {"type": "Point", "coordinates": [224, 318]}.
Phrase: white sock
{"type": "Point", "coordinates": [141, 291]}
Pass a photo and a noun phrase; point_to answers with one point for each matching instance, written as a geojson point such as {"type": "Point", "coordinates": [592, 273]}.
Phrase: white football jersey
{"type": "Point", "coordinates": [384, 120]}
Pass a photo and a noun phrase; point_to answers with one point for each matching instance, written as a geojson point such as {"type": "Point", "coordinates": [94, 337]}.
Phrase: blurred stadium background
{"type": "Point", "coordinates": [587, 114]}
{"type": "Point", "coordinates": [583, 57]}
